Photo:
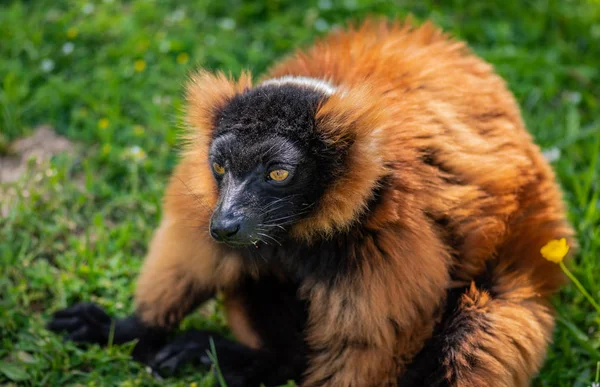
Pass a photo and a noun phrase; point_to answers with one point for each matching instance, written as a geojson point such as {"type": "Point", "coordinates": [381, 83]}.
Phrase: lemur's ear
{"type": "Point", "coordinates": [351, 122]}
{"type": "Point", "coordinates": [206, 94]}
{"type": "Point", "coordinates": [350, 115]}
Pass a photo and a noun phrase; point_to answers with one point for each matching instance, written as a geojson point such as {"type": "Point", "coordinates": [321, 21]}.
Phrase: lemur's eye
{"type": "Point", "coordinates": [218, 168]}
{"type": "Point", "coordinates": [279, 174]}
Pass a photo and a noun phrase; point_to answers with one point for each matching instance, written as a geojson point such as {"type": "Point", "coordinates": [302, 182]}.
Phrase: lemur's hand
{"type": "Point", "coordinates": [83, 323]}
{"type": "Point", "coordinates": [235, 360]}
{"type": "Point", "coordinates": [191, 346]}
{"type": "Point", "coordinates": [87, 322]}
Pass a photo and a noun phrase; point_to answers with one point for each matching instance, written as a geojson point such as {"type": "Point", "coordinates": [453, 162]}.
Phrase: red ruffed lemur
{"type": "Point", "coordinates": [372, 212]}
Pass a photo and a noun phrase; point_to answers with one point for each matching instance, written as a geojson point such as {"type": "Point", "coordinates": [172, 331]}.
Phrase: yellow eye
{"type": "Point", "coordinates": [218, 168]}
{"type": "Point", "coordinates": [279, 174]}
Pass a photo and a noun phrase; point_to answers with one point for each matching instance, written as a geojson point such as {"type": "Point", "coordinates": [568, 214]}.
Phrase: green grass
{"type": "Point", "coordinates": [78, 228]}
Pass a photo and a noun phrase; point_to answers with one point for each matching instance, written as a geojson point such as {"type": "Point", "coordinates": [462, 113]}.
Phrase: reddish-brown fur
{"type": "Point", "coordinates": [424, 111]}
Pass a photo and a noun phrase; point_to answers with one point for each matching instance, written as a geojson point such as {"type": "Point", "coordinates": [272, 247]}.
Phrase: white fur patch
{"type": "Point", "coordinates": [314, 83]}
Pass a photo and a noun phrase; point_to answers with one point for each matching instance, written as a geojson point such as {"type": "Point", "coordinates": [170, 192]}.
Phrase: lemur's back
{"type": "Point", "coordinates": [483, 177]}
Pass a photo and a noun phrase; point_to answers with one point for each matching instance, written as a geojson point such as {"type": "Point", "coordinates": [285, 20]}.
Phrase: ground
{"type": "Point", "coordinates": [105, 80]}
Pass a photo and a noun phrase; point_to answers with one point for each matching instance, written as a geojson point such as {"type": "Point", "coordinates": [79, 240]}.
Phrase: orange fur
{"type": "Point", "coordinates": [467, 188]}
{"type": "Point", "coordinates": [386, 313]}
{"type": "Point", "coordinates": [238, 322]}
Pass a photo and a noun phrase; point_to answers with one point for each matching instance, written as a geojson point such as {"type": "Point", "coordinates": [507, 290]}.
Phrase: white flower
{"type": "Point", "coordinates": [258, 45]}
{"type": "Point", "coordinates": [210, 40]}
{"type": "Point", "coordinates": [325, 4]}
{"type": "Point", "coordinates": [321, 25]}
{"type": "Point", "coordinates": [165, 46]}
{"type": "Point", "coordinates": [178, 15]}
{"type": "Point", "coordinates": [595, 32]}
{"type": "Point", "coordinates": [552, 154]}
{"type": "Point", "coordinates": [67, 48]}
{"type": "Point", "coordinates": [227, 23]}
{"type": "Point", "coordinates": [350, 4]}
{"type": "Point", "coordinates": [88, 8]}
{"type": "Point", "coordinates": [136, 153]}
{"type": "Point", "coordinates": [47, 65]}
{"type": "Point", "coordinates": [573, 96]}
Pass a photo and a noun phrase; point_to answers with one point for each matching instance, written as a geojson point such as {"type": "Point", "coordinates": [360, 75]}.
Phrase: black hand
{"type": "Point", "coordinates": [83, 323]}
{"type": "Point", "coordinates": [193, 347]}
{"type": "Point", "coordinates": [88, 323]}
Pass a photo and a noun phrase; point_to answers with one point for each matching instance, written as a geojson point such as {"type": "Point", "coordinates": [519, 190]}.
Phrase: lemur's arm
{"type": "Point", "coordinates": [163, 296]}
{"type": "Point", "coordinates": [178, 274]}
{"type": "Point", "coordinates": [181, 271]}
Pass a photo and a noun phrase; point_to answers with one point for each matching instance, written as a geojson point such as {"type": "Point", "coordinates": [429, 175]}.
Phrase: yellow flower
{"type": "Point", "coordinates": [193, 384]}
{"type": "Point", "coordinates": [183, 58]}
{"type": "Point", "coordinates": [72, 33]}
{"type": "Point", "coordinates": [555, 250]}
{"type": "Point", "coordinates": [103, 123]}
{"type": "Point", "coordinates": [139, 65]}
{"type": "Point", "coordinates": [143, 45]}
{"type": "Point", "coordinates": [138, 130]}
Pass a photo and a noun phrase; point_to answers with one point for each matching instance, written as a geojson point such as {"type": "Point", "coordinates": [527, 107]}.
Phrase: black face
{"type": "Point", "coordinates": [270, 166]}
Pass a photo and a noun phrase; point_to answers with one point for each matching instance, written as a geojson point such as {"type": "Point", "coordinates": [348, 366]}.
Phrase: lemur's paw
{"type": "Point", "coordinates": [83, 323]}
{"type": "Point", "coordinates": [194, 347]}
{"type": "Point", "coordinates": [191, 346]}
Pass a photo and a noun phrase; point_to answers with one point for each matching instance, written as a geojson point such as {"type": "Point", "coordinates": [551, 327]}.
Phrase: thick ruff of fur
{"type": "Point", "coordinates": [442, 207]}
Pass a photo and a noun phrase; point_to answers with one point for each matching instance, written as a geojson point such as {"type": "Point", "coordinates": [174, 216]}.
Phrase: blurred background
{"type": "Point", "coordinates": [90, 101]}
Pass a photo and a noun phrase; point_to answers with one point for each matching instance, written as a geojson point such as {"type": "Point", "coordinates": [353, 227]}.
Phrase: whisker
{"type": "Point", "coordinates": [268, 236]}
{"type": "Point", "coordinates": [196, 196]}
{"type": "Point", "coordinates": [257, 252]}
{"type": "Point", "coordinates": [281, 224]}
{"type": "Point", "coordinates": [278, 200]}
{"type": "Point", "coordinates": [260, 255]}
{"type": "Point", "coordinates": [272, 209]}
{"type": "Point", "coordinates": [289, 216]}
{"type": "Point", "coordinates": [269, 226]}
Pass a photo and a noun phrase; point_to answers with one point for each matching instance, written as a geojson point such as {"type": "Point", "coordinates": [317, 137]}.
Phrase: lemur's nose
{"type": "Point", "coordinates": [224, 228]}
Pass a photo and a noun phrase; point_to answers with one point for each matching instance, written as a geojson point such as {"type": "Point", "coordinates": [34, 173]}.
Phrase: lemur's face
{"type": "Point", "coordinates": [264, 186]}
{"type": "Point", "coordinates": [270, 166]}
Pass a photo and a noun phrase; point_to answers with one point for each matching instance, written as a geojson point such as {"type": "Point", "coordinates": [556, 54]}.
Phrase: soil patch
{"type": "Point", "coordinates": [41, 145]}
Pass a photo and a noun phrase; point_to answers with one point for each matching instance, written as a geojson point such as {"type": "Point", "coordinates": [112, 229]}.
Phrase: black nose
{"type": "Point", "coordinates": [224, 229]}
